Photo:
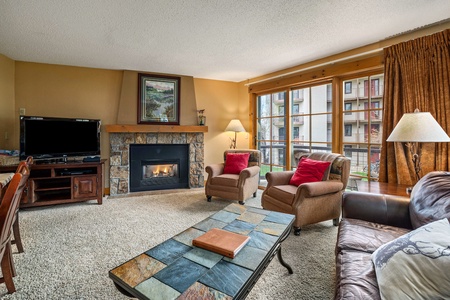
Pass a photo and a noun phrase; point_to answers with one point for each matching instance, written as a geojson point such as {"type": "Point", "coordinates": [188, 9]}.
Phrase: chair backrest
{"type": "Point", "coordinates": [340, 170]}
{"type": "Point", "coordinates": [10, 202]}
{"type": "Point", "coordinates": [340, 165]}
{"type": "Point", "coordinates": [254, 159]}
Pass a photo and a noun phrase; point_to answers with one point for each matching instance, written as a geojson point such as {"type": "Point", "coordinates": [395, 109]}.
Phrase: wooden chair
{"type": "Point", "coordinates": [8, 212]}
{"type": "Point", "coordinates": [17, 238]}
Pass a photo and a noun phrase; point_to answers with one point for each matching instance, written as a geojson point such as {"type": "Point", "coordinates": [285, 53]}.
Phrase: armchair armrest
{"type": "Point", "coordinates": [319, 188]}
{"type": "Point", "coordinates": [384, 209]}
{"type": "Point", "coordinates": [214, 169]}
{"type": "Point", "coordinates": [278, 178]}
{"type": "Point", "coordinates": [249, 172]}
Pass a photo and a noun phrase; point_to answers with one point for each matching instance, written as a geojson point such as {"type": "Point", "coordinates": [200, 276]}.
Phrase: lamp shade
{"type": "Point", "coordinates": [418, 127]}
{"type": "Point", "coordinates": [235, 125]}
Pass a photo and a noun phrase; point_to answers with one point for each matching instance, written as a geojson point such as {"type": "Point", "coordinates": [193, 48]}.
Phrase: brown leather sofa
{"type": "Point", "coordinates": [371, 220]}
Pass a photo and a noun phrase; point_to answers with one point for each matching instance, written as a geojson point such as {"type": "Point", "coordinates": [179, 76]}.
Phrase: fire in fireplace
{"type": "Point", "coordinates": [155, 171]}
{"type": "Point", "coordinates": [159, 174]}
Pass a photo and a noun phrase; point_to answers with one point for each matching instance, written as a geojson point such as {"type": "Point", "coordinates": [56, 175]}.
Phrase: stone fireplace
{"type": "Point", "coordinates": [121, 138]}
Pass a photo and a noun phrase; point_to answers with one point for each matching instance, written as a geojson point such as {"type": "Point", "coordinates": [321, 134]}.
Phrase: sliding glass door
{"type": "Point", "coordinates": [292, 122]}
{"type": "Point", "coordinates": [362, 120]}
{"type": "Point", "coordinates": [271, 132]}
{"type": "Point", "coordinates": [311, 120]}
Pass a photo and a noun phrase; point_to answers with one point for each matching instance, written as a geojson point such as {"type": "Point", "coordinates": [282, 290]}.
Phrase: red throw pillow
{"type": "Point", "coordinates": [309, 170]}
{"type": "Point", "coordinates": [235, 163]}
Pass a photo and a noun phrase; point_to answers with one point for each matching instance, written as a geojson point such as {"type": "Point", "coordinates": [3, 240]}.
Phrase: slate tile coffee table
{"type": "Point", "coordinates": [175, 269]}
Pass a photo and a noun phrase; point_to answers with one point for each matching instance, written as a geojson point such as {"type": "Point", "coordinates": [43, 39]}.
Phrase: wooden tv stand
{"type": "Point", "coordinates": [58, 183]}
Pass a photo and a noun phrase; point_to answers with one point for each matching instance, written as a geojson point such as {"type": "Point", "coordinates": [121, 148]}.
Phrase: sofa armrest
{"type": "Point", "coordinates": [278, 178]}
{"type": "Point", "coordinates": [214, 169]}
{"type": "Point", "coordinates": [378, 208]}
{"type": "Point", "coordinates": [319, 188]}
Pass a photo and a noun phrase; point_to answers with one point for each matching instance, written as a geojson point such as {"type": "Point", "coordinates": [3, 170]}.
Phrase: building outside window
{"type": "Point", "coordinates": [271, 136]}
{"type": "Point", "coordinates": [362, 121]}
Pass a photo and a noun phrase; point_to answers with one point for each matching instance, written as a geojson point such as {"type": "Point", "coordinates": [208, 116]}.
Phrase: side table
{"type": "Point", "coordinates": [376, 187]}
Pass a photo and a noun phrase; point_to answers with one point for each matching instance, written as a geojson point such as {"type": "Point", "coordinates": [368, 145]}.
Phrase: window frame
{"type": "Point", "coordinates": [337, 74]}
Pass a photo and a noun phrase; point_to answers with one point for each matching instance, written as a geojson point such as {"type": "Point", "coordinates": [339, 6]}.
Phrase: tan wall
{"type": "Point", "coordinates": [111, 95]}
{"type": "Point", "coordinates": [7, 140]}
{"type": "Point", "coordinates": [127, 113]}
{"type": "Point", "coordinates": [69, 92]}
{"type": "Point", "coordinates": [222, 102]}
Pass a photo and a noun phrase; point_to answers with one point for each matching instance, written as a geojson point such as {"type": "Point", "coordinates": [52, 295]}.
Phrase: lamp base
{"type": "Point", "coordinates": [409, 190]}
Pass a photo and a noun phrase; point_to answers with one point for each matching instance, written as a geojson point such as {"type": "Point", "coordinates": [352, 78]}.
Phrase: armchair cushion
{"type": "Point", "coordinates": [236, 162]}
{"type": "Point", "coordinates": [284, 193]}
{"type": "Point", "coordinates": [226, 180]}
{"type": "Point", "coordinates": [309, 170]}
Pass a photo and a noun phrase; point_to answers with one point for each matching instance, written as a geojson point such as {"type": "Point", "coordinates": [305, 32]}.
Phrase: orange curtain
{"type": "Point", "coordinates": [417, 75]}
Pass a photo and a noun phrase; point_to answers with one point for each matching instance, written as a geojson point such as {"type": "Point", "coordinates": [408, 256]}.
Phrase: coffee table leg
{"type": "Point", "coordinates": [283, 263]}
{"type": "Point", "coordinates": [122, 290]}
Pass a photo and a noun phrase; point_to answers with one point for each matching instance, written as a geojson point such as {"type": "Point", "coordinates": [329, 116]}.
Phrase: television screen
{"type": "Point", "coordinates": [45, 137]}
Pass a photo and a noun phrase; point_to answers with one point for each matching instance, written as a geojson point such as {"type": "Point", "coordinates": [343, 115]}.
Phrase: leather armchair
{"type": "Point", "coordinates": [237, 187]}
{"type": "Point", "coordinates": [310, 202]}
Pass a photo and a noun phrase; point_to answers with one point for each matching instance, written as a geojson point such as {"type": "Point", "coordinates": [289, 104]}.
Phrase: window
{"type": "Point", "coordinates": [281, 133]}
{"type": "Point", "coordinates": [348, 87]}
{"type": "Point", "coordinates": [313, 117]}
{"type": "Point", "coordinates": [300, 119]}
{"type": "Point", "coordinates": [348, 130]}
{"type": "Point", "coordinates": [348, 108]}
{"type": "Point", "coordinates": [296, 95]}
{"type": "Point", "coordinates": [296, 134]}
{"type": "Point", "coordinates": [362, 121]}
{"type": "Point", "coordinates": [374, 87]}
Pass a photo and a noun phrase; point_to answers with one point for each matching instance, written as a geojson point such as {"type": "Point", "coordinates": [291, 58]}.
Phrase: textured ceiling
{"type": "Point", "coordinates": [231, 40]}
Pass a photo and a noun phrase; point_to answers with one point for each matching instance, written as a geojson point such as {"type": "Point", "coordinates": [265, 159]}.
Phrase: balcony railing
{"type": "Point", "coordinates": [359, 157]}
{"type": "Point", "coordinates": [300, 120]}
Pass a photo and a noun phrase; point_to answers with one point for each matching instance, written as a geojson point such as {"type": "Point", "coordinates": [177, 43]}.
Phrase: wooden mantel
{"type": "Point", "coordinates": [154, 128]}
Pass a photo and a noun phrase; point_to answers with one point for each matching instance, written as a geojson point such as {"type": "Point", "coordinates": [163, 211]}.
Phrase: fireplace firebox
{"type": "Point", "coordinates": [158, 166]}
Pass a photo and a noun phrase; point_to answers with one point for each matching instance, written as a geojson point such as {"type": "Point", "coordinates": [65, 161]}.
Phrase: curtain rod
{"type": "Point", "coordinates": [316, 66]}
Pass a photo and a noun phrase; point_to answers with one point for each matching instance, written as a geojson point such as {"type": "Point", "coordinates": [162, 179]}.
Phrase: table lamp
{"type": "Point", "coordinates": [236, 126]}
{"type": "Point", "coordinates": [416, 128]}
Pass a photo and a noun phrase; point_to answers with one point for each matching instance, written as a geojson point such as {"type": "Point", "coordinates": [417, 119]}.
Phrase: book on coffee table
{"type": "Point", "coordinates": [222, 242]}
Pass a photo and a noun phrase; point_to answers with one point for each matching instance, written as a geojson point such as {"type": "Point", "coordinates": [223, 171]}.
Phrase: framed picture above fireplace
{"type": "Point", "coordinates": [158, 99]}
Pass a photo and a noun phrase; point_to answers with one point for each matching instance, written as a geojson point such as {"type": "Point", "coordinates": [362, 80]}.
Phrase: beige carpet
{"type": "Point", "coordinates": [69, 249]}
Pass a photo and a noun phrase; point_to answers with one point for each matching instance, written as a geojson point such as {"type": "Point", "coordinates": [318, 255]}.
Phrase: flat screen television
{"type": "Point", "coordinates": [48, 137]}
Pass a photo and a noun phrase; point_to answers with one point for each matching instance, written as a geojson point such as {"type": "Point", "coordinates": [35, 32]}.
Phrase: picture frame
{"type": "Point", "coordinates": [158, 99]}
